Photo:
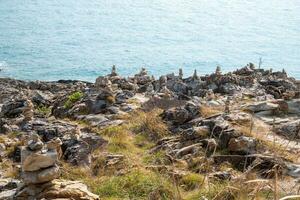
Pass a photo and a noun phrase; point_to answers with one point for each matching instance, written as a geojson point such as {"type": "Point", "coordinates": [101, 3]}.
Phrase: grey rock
{"type": "Point", "coordinates": [12, 109]}
{"type": "Point", "coordinates": [78, 151]}
{"type": "Point", "coordinates": [290, 130]}
{"type": "Point", "coordinates": [8, 184]}
{"type": "Point", "coordinates": [42, 98]}
{"type": "Point", "coordinates": [181, 115]}
{"type": "Point", "coordinates": [7, 194]}
{"type": "Point", "coordinates": [242, 144]}
{"type": "Point", "coordinates": [262, 106]}
{"type": "Point", "coordinates": [35, 146]}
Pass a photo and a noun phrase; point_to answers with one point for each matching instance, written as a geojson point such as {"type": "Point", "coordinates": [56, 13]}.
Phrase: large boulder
{"type": "Point", "coordinates": [49, 130]}
{"type": "Point", "coordinates": [181, 115]}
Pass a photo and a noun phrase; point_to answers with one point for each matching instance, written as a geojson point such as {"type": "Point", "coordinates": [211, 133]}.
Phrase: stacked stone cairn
{"type": "Point", "coordinates": [38, 163]}
{"type": "Point", "coordinates": [39, 173]}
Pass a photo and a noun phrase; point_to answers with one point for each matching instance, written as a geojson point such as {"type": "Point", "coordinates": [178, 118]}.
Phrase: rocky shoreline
{"type": "Point", "coordinates": [248, 120]}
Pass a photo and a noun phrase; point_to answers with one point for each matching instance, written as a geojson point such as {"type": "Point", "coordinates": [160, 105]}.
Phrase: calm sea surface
{"type": "Point", "coordinates": [80, 39]}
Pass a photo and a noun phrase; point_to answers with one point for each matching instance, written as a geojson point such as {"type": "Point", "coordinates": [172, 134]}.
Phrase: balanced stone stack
{"type": "Point", "coordinates": [38, 163]}
{"type": "Point", "coordinates": [40, 172]}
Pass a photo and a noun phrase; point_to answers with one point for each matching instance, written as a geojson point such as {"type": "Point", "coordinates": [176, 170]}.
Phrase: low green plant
{"type": "Point", "coordinates": [158, 158]}
{"type": "Point", "coordinates": [44, 110]}
{"type": "Point", "coordinates": [73, 98]}
{"type": "Point", "coordinates": [135, 185]}
{"type": "Point", "coordinates": [142, 142]}
{"type": "Point", "coordinates": [192, 181]}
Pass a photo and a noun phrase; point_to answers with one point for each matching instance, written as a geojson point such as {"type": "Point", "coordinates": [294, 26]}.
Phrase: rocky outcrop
{"type": "Point", "coordinates": [209, 116]}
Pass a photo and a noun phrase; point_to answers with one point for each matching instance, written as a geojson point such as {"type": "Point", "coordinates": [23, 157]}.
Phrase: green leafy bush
{"type": "Point", "coordinates": [44, 110]}
{"type": "Point", "coordinates": [73, 98]}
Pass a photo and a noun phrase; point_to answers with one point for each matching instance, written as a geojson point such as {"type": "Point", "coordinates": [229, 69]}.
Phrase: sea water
{"type": "Point", "coordinates": [80, 39]}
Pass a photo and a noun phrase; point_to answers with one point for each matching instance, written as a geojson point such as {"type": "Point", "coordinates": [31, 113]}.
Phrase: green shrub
{"type": "Point", "coordinates": [44, 110]}
{"type": "Point", "coordinates": [73, 98]}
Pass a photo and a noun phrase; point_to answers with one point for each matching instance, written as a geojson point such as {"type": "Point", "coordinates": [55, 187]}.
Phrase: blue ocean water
{"type": "Point", "coordinates": [67, 39]}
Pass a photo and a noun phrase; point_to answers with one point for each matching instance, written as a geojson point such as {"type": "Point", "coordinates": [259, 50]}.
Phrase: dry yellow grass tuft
{"type": "Point", "coordinates": [208, 111]}
{"type": "Point", "coordinates": [149, 124]}
{"type": "Point", "coordinates": [265, 138]}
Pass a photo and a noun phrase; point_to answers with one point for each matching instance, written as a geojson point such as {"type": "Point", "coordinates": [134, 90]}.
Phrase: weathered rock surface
{"type": "Point", "coordinates": [39, 173]}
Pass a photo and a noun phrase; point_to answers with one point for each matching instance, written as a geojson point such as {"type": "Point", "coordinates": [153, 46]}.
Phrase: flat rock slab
{"type": "Point", "coordinates": [36, 161]}
{"type": "Point", "coordinates": [41, 176]}
{"type": "Point", "coordinates": [262, 106]}
{"type": "Point", "coordinates": [56, 189]}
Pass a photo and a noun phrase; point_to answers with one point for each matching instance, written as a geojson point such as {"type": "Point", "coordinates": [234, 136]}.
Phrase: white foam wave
{"type": "Point", "coordinates": [3, 65]}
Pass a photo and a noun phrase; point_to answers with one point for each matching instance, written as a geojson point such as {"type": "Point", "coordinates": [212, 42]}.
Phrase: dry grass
{"type": "Point", "coordinates": [261, 132]}
{"type": "Point", "coordinates": [9, 170]}
{"type": "Point", "coordinates": [208, 111]}
{"type": "Point", "coordinates": [148, 124]}
{"type": "Point", "coordinates": [133, 140]}
{"type": "Point", "coordinates": [137, 184]}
